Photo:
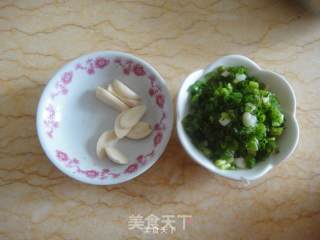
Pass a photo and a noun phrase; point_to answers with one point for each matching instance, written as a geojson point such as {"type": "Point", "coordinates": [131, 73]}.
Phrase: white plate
{"type": "Point", "coordinates": [278, 85]}
{"type": "Point", "coordinates": [70, 119]}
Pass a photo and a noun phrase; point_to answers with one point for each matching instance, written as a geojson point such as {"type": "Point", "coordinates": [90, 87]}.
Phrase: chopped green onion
{"type": "Point", "coordinates": [233, 119]}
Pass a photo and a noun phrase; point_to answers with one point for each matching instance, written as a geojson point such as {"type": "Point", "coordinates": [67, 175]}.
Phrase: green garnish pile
{"type": "Point", "coordinates": [233, 119]}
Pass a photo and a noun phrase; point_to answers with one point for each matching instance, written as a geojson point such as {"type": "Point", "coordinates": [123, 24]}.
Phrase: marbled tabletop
{"type": "Point", "coordinates": [177, 37]}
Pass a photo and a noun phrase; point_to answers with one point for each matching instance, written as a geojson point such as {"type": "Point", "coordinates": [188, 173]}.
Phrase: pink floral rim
{"type": "Point", "coordinates": [91, 66]}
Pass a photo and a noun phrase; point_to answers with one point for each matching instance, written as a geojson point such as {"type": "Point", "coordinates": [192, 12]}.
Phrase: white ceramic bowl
{"type": "Point", "coordinates": [70, 119]}
{"type": "Point", "coordinates": [278, 85]}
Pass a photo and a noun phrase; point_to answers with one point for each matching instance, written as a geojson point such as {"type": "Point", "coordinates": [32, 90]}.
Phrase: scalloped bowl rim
{"type": "Point", "coordinates": [290, 113]}
{"type": "Point", "coordinates": [45, 94]}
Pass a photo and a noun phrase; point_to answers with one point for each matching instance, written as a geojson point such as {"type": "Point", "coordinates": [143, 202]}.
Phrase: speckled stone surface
{"type": "Point", "coordinates": [177, 37]}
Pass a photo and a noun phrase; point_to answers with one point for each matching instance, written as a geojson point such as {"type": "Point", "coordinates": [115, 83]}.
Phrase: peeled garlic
{"type": "Point", "coordinates": [123, 90]}
{"type": "Point", "coordinates": [120, 131]}
{"type": "Point", "coordinates": [139, 131]}
{"type": "Point", "coordinates": [132, 116]}
{"type": "Point", "coordinates": [106, 139]}
{"type": "Point", "coordinates": [106, 97]}
{"type": "Point", "coordinates": [128, 101]}
{"type": "Point", "coordinates": [115, 155]}
{"type": "Point", "coordinates": [120, 97]}
{"type": "Point", "coordinates": [110, 89]}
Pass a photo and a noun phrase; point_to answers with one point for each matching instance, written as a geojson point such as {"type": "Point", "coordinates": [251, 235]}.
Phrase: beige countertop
{"type": "Point", "coordinates": [177, 37]}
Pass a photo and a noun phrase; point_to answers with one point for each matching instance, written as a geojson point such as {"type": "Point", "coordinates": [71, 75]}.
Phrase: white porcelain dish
{"type": "Point", "coordinates": [70, 119]}
{"type": "Point", "coordinates": [278, 85]}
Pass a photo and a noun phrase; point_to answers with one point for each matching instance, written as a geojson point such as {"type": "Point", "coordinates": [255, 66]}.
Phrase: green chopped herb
{"type": "Point", "coordinates": [232, 115]}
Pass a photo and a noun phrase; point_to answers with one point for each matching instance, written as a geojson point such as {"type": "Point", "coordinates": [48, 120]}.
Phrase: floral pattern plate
{"type": "Point", "coordinates": [70, 119]}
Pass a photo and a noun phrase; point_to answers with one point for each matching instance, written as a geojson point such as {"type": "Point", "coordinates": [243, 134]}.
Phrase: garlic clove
{"type": "Point", "coordinates": [132, 116]}
{"type": "Point", "coordinates": [140, 130]}
{"type": "Point", "coordinates": [107, 138]}
{"type": "Point", "coordinates": [130, 102]}
{"type": "Point", "coordinates": [110, 89]}
{"type": "Point", "coordinates": [111, 100]}
{"type": "Point", "coordinates": [120, 131]}
{"type": "Point", "coordinates": [123, 90]}
{"type": "Point", "coordinates": [115, 155]}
